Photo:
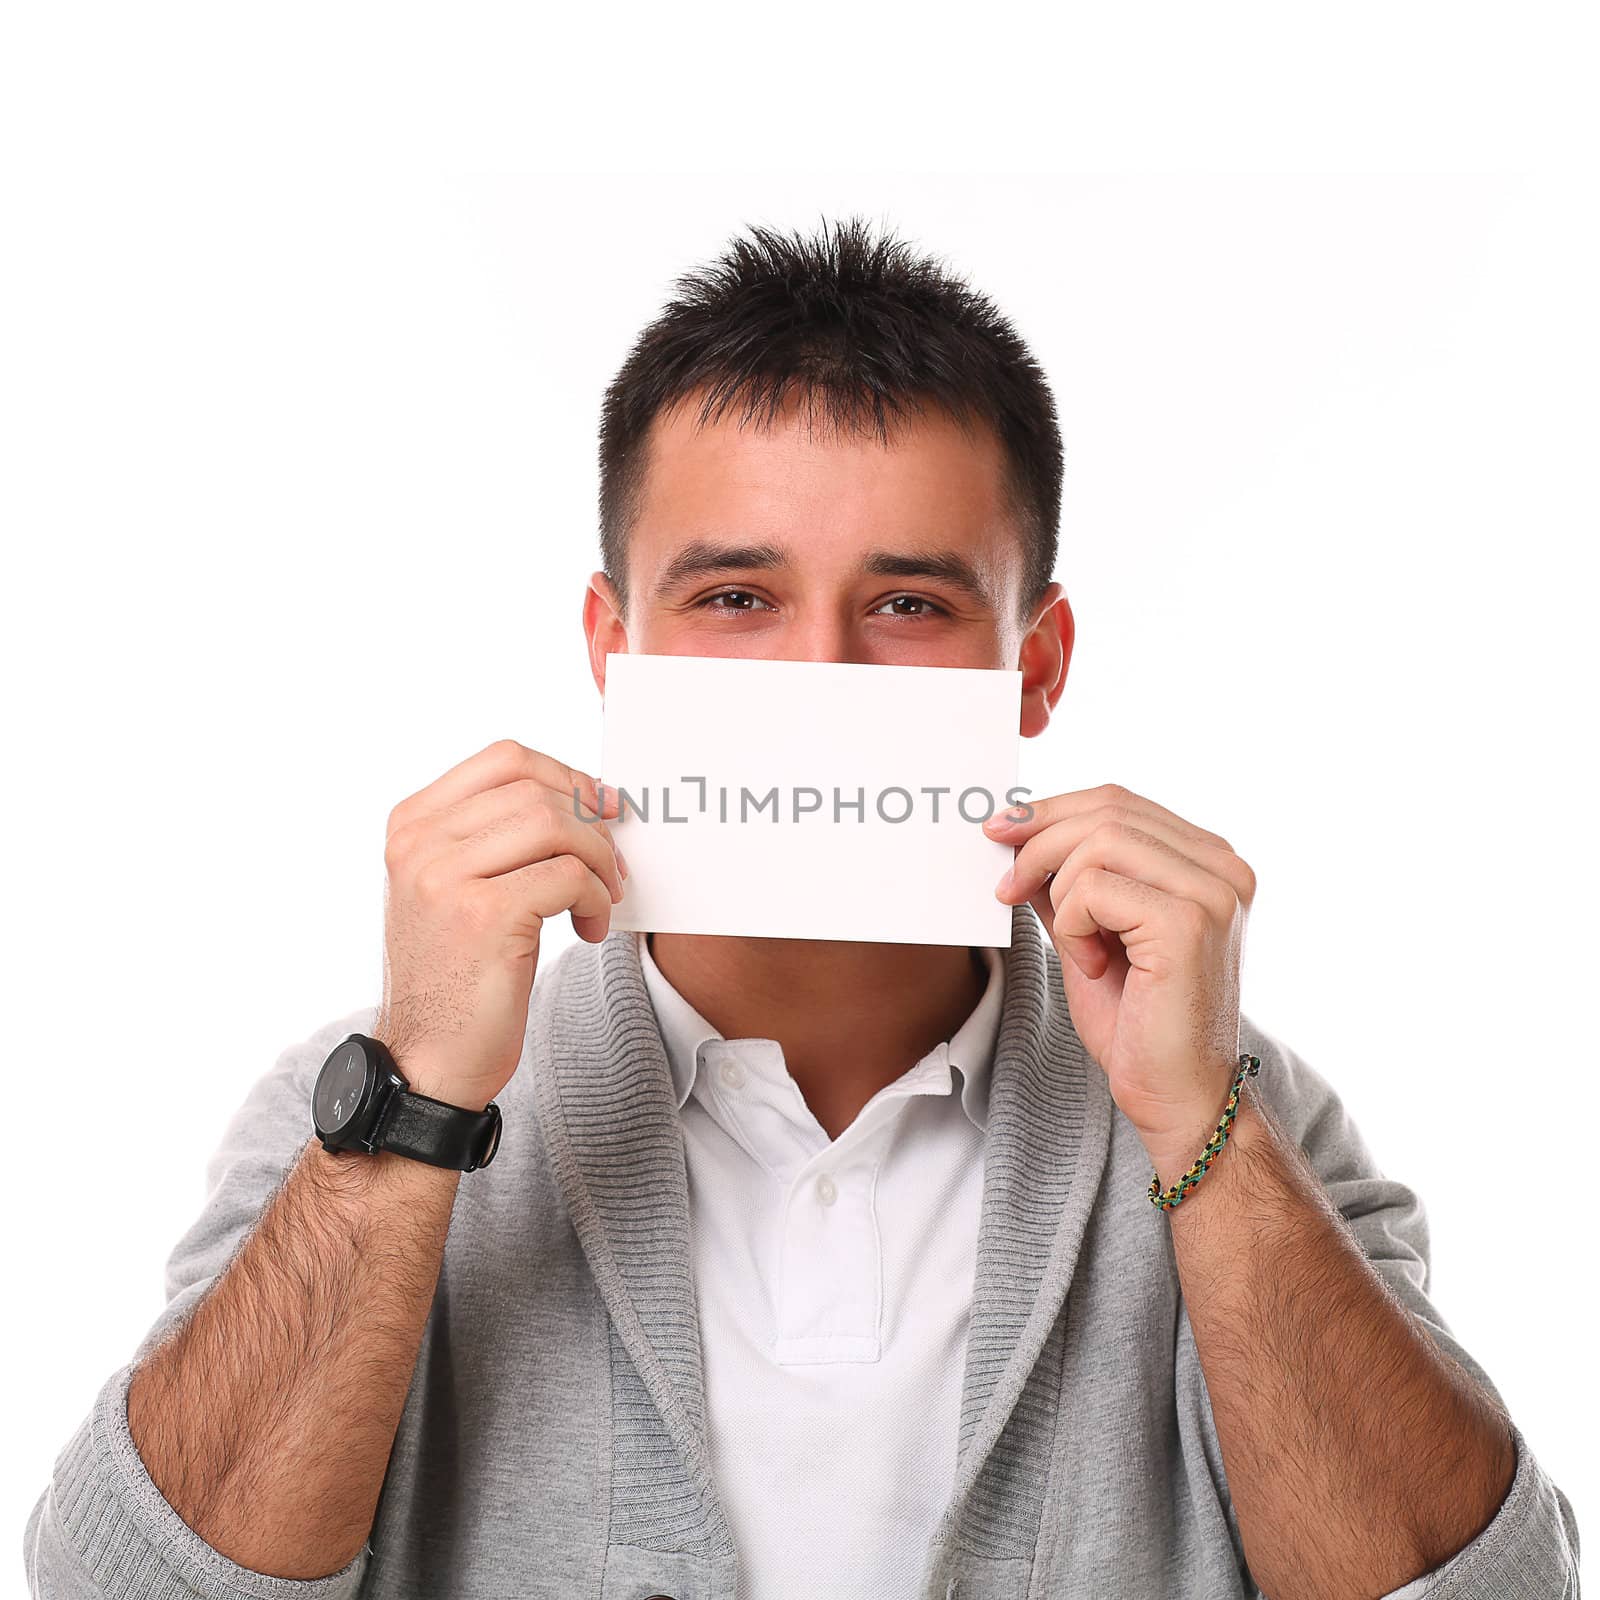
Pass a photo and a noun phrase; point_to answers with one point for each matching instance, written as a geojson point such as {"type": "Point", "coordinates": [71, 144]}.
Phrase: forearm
{"type": "Point", "coordinates": [1358, 1454]}
{"type": "Point", "coordinates": [267, 1419]}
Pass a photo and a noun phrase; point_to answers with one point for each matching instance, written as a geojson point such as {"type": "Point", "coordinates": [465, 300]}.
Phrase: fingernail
{"type": "Point", "coordinates": [622, 862]}
{"type": "Point", "coordinates": [1004, 885]}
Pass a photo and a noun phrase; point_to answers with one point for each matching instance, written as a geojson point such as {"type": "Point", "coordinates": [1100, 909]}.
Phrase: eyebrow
{"type": "Point", "coordinates": [704, 556]}
{"type": "Point", "coordinates": [946, 566]}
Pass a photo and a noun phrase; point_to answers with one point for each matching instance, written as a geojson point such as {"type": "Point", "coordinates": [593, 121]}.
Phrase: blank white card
{"type": "Point", "coordinates": [811, 799]}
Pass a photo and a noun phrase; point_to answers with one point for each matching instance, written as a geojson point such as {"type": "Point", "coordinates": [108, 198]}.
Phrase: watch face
{"type": "Point", "coordinates": [341, 1087]}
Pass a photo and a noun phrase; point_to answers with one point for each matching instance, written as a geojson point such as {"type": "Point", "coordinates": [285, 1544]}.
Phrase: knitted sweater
{"type": "Point", "coordinates": [553, 1441]}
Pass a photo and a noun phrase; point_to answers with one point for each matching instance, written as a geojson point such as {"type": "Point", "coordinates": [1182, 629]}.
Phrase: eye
{"type": "Point", "coordinates": [923, 607]}
{"type": "Point", "coordinates": [733, 600]}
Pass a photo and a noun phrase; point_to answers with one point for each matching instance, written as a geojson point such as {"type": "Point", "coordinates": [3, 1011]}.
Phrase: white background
{"type": "Point", "coordinates": [303, 351]}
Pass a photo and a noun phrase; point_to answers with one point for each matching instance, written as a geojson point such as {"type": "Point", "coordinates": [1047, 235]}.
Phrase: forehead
{"type": "Point", "coordinates": [799, 475]}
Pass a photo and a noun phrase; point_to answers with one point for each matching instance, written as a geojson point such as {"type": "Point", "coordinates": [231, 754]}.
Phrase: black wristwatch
{"type": "Point", "coordinates": [362, 1103]}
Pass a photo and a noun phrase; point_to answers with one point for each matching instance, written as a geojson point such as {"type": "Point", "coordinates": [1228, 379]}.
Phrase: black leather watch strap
{"type": "Point", "coordinates": [442, 1135]}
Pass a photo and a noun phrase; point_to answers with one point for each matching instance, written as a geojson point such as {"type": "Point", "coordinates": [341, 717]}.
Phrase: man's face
{"type": "Point", "coordinates": [783, 543]}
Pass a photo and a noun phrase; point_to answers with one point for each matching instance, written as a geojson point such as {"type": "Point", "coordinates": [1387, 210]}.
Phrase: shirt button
{"type": "Point", "coordinates": [732, 1075]}
{"type": "Point", "coordinates": [827, 1193]}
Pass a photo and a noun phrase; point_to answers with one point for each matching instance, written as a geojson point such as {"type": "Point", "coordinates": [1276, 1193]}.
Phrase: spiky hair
{"type": "Point", "coordinates": [864, 332]}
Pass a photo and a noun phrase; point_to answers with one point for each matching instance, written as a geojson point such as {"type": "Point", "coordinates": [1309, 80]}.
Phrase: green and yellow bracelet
{"type": "Point", "coordinates": [1249, 1066]}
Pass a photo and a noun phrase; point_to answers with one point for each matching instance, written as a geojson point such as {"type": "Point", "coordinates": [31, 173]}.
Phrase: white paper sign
{"type": "Point", "coordinates": [811, 799]}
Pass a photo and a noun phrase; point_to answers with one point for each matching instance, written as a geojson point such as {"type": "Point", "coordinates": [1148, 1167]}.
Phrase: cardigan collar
{"type": "Point", "coordinates": [608, 1113]}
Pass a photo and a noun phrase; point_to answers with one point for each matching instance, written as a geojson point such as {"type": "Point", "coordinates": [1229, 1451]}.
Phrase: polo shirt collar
{"type": "Point", "coordinates": [969, 1050]}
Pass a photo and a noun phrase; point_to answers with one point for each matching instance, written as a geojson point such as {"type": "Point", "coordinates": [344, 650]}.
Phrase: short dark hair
{"type": "Point", "coordinates": [860, 324]}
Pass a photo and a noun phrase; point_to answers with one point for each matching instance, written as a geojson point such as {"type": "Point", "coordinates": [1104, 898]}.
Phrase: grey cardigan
{"type": "Point", "coordinates": [553, 1441]}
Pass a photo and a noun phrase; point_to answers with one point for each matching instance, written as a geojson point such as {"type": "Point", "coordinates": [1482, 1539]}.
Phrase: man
{"type": "Point", "coordinates": [806, 1268]}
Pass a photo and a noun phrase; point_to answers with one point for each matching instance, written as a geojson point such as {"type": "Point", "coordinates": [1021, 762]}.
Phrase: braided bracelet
{"type": "Point", "coordinates": [1249, 1066]}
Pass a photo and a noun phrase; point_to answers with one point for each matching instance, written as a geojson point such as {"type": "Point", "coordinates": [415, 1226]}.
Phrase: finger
{"type": "Point", "coordinates": [1066, 849]}
{"type": "Point", "coordinates": [544, 889]}
{"type": "Point", "coordinates": [1091, 953]}
{"type": "Point", "coordinates": [540, 831]}
{"type": "Point", "coordinates": [610, 799]}
{"type": "Point", "coordinates": [1051, 845]}
{"type": "Point", "coordinates": [1119, 803]}
{"type": "Point", "coordinates": [502, 762]}
{"type": "Point", "coordinates": [492, 808]}
{"type": "Point", "coordinates": [1154, 927]}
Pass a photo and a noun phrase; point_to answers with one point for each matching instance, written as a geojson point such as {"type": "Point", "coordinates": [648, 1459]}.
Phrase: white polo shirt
{"type": "Point", "coordinates": [834, 1282]}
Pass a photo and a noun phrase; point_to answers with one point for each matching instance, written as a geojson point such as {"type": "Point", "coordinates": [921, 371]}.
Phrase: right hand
{"type": "Point", "coordinates": [476, 862]}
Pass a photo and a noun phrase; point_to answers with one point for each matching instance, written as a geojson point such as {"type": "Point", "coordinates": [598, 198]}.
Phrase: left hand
{"type": "Point", "coordinates": [1147, 913]}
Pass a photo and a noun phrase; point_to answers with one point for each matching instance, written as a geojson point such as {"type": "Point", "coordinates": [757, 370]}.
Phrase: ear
{"type": "Point", "coordinates": [603, 626]}
{"type": "Point", "coordinates": [1044, 657]}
